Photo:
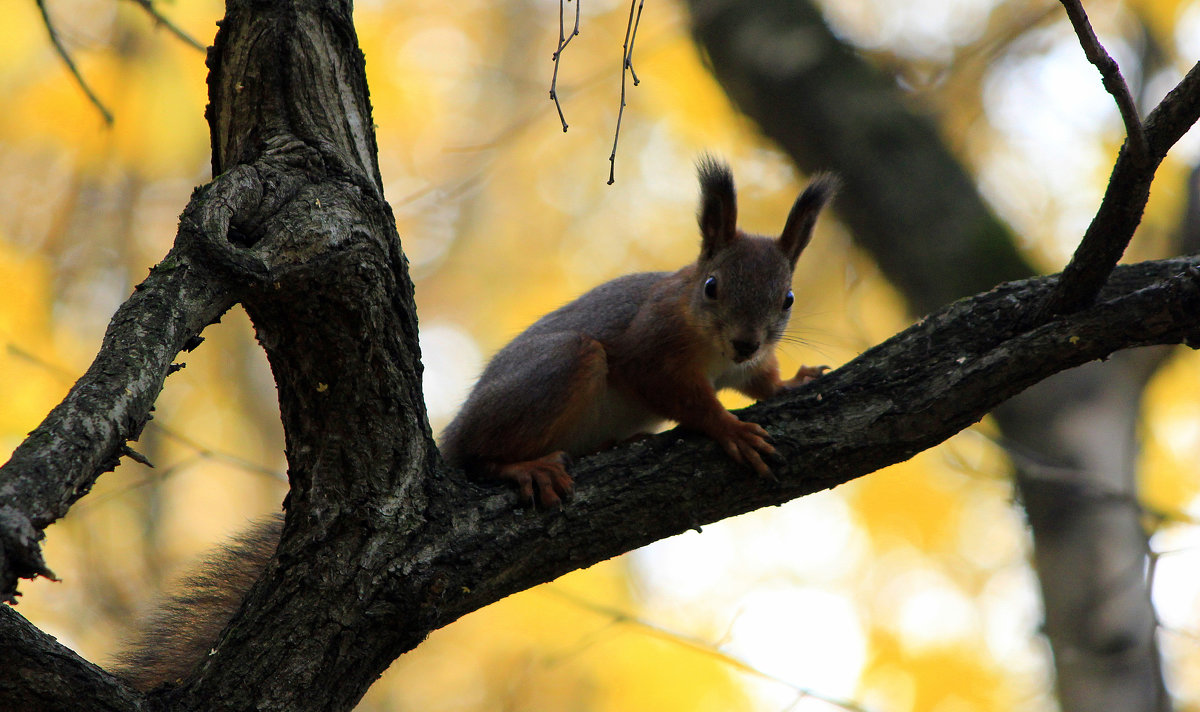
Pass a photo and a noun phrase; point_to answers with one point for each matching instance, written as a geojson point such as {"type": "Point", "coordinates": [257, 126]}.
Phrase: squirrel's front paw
{"type": "Point", "coordinates": [547, 475]}
{"type": "Point", "coordinates": [745, 442]}
{"type": "Point", "coordinates": [805, 374]}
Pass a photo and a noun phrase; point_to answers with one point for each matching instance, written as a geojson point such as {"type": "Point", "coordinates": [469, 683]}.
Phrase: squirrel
{"type": "Point", "coordinates": [607, 367]}
{"type": "Point", "coordinates": [643, 349]}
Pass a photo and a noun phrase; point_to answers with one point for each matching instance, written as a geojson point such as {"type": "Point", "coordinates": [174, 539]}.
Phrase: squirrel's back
{"type": "Point", "coordinates": [601, 313]}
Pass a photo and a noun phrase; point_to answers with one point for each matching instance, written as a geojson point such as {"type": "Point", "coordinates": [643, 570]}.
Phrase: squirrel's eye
{"type": "Point", "coordinates": [787, 301]}
{"type": "Point", "coordinates": [710, 288]}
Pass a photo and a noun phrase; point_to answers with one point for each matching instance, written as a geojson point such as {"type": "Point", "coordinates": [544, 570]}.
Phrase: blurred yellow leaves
{"type": "Point", "coordinates": [1160, 16]}
{"type": "Point", "coordinates": [151, 82]}
{"type": "Point", "coordinates": [948, 678]}
{"type": "Point", "coordinates": [27, 389]}
{"type": "Point", "coordinates": [910, 503]}
{"type": "Point", "coordinates": [1172, 439]}
{"type": "Point", "coordinates": [563, 646]}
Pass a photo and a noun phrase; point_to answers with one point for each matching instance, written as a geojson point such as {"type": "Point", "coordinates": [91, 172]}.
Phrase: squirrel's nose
{"type": "Point", "coordinates": [743, 349]}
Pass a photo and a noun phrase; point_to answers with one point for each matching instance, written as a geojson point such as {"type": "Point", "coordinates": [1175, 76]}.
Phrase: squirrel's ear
{"type": "Point", "coordinates": [799, 227]}
{"type": "Point", "coordinates": [718, 206]}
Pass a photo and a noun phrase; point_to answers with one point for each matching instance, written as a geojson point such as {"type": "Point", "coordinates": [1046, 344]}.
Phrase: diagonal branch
{"type": "Point", "coordinates": [61, 49]}
{"type": "Point", "coordinates": [87, 434]}
{"type": "Point", "coordinates": [51, 677]}
{"type": "Point", "coordinates": [148, 6]}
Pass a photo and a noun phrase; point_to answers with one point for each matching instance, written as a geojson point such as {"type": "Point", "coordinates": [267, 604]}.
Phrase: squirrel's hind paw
{"type": "Point", "coordinates": [546, 476]}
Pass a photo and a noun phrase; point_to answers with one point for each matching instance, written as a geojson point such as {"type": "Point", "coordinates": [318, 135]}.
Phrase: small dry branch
{"type": "Point", "coordinates": [563, 41]}
{"type": "Point", "coordinates": [631, 29]}
{"type": "Point", "coordinates": [171, 27]}
{"type": "Point", "coordinates": [66, 58]}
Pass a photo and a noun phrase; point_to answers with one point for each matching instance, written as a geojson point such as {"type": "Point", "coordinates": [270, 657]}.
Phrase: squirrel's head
{"type": "Point", "coordinates": [743, 283]}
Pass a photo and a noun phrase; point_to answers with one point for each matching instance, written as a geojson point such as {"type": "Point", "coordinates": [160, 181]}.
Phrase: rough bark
{"type": "Point", "coordinates": [915, 209]}
{"type": "Point", "coordinates": [381, 544]}
{"type": "Point", "coordinates": [86, 434]}
{"type": "Point", "coordinates": [47, 677]}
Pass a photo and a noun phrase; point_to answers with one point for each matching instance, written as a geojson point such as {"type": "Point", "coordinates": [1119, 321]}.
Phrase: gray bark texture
{"type": "Point", "coordinates": [382, 543]}
{"type": "Point", "coordinates": [910, 203]}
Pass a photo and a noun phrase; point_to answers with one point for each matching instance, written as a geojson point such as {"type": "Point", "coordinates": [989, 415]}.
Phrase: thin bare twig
{"type": "Point", "coordinates": [626, 66]}
{"type": "Point", "coordinates": [66, 58]}
{"type": "Point", "coordinates": [563, 41]}
{"type": "Point", "coordinates": [174, 29]}
{"type": "Point", "coordinates": [1110, 73]}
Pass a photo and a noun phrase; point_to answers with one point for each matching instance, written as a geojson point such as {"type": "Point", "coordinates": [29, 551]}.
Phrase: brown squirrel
{"type": "Point", "coordinates": [641, 349]}
{"type": "Point", "coordinates": [606, 367]}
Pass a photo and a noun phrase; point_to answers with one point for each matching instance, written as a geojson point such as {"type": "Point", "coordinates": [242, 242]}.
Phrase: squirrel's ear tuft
{"type": "Point", "coordinates": [718, 206]}
{"type": "Point", "coordinates": [799, 227]}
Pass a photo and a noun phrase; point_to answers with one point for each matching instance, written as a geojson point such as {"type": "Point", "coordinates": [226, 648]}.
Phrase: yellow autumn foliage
{"type": "Point", "coordinates": [504, 217]}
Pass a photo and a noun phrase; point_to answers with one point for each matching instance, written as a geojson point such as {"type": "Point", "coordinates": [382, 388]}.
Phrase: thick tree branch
{"type": "Point", "coordinates": [470, 548]}
{"type": "Point", "coordinates": [897, 399]}
{"type": "Point", "coordinates": [41, 675]}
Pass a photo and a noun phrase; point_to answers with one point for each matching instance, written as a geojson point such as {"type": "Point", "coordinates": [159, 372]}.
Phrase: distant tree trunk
{"type": "Point", "coordinates": [910, 203]}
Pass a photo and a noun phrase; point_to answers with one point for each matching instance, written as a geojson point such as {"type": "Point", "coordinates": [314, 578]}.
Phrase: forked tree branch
{"type": "Point", "coordinates": [631, 28]}
{"type": "Point", "coordinates": [87, 434]}
{"type": "Point", "coordinates": [899, 398]}
{"type": "Point", "coordinates": [563, 40]}
{"type": "Point", "coordinates": [1128, 189]}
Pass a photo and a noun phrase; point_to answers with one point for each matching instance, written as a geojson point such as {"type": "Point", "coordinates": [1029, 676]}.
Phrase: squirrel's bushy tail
{"type": "Point", "coordinates": [184, 627]}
